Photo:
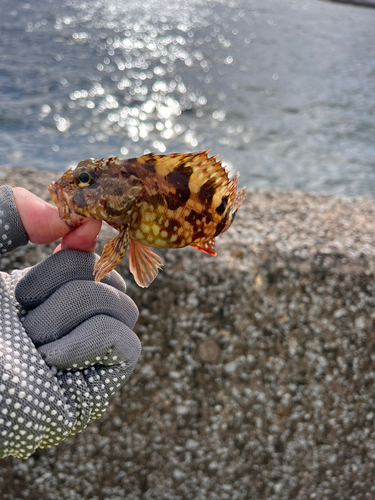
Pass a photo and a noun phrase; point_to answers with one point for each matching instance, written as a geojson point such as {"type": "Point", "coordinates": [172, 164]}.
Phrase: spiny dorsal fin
{"type": "Point", "coordinates": [209, 172]}
{"type": "Point", "coordinates": [205, 168]}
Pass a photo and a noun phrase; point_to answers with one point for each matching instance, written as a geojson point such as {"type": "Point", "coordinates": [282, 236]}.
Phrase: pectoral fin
{"type": "Point", "coordinates": [113, 252]}
{"type": "Point", "coordinates": [144, 264]}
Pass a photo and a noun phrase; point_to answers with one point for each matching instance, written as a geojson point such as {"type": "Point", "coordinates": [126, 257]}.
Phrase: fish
{"type": "Point", "coordinates": [160, 201]}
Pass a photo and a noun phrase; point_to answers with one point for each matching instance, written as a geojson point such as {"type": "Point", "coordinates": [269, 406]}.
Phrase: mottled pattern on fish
{"type": "Point", "coordinates": [162, 201]}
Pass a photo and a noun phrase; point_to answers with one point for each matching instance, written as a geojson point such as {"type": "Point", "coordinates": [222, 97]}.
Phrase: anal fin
{"type": "Point", "coordinates": [144, 264]}
{"type": "Point", "coordinates": [207, 247]}
{"type": "Point", "coordinates": [113, 252]}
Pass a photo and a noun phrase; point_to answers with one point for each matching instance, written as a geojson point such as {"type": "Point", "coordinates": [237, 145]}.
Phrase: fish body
{"type": "Point", "coordinates": [160, 201]}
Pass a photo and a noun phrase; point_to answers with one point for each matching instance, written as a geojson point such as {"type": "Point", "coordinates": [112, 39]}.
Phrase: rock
{"type": "Point", "coordinates": [182, 410]}
{"type": "Point", "coordinates": [292, 346]}
{"type": "Point", "coordinates": [340, 313]}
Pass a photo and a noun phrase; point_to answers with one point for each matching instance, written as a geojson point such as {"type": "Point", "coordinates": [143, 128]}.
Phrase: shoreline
{"type": "Point", "coordinates": [357, 3]}
{"type": "Point", "coordinates": [257, 376]}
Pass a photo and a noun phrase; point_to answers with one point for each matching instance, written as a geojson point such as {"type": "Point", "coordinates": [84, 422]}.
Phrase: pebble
{"type": "Point", "coordinates": [182, 410]}
{"type": "Point", "coordinates": [209, 351]}
{"type": "Point", "coordinates": [178, 474]}
{"type": "Point", "coordinates": [231, 367]}
{"type": "Point", "coordinates": [191, 444]}
{"type": "Point", "coordinates": [360, 322]}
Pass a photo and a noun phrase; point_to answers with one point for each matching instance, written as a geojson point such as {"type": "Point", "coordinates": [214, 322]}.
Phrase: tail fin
{"type": "Point", "coordinates": [238, 199]}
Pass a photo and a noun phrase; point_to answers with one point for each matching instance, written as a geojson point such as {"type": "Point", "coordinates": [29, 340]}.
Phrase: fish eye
{"type": "Point", "coordinates": [84, 178]}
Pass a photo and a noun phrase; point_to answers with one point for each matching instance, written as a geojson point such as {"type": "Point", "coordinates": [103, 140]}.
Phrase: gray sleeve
{"type": "Point", "coordinates": [12, 232]}
{"type": "Point", "coordinates": [32, 411]}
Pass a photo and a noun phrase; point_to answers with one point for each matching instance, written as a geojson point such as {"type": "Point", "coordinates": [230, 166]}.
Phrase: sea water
{"type": "Point", "coordinates": [281, 90]}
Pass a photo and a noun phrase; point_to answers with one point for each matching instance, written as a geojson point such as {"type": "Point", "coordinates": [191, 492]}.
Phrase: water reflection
{"type": "Point", "coordinates": [137, 86]}
{"type": "Point", "coordinates": [279, 88]}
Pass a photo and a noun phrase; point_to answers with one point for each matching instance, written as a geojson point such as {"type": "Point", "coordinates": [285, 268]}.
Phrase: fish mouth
{"type": "Point", "coordinates": [64, 205]}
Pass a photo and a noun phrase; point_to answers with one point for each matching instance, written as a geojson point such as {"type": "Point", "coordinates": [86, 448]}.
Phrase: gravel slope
{"type": "Point", "coordinates": [257, 378]}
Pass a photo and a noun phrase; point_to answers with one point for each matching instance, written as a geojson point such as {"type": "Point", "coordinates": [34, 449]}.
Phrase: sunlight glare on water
{"type": "Point", "coordinates": [278, 89]}
{"type": "Point", "coordinates": [136, 90]}
{"type": "Point", "coordinates": [137, 85]}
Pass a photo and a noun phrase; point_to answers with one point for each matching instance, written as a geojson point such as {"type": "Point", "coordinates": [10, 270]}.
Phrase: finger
{"type": "Point", "coordinates": [40, 219]}
{"type": "Point", "coordinates": [62, 267]}
{"type": "Point", "coordinates": [83, 238]}
{"type": "Point", "coordinates": [99, 340]}
{"type": "Point", "coordinates": [74, 303]}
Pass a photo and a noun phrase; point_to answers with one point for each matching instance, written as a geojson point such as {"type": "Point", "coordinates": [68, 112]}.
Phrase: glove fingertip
{"type": "Point", "coordinates": [98, 340]}
{"type": "Point", "coordinates": [67, 265]}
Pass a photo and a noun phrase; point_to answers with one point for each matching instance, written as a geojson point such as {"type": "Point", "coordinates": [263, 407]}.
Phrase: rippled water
{"type": "Point", "coordinates": [283, 90]}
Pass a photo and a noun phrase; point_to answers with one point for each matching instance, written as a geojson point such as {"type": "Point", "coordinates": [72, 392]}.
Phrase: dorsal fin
{"type": "Point", "coordinates": [209, 172]}
{"type": "Point", "coordinates": [208, 175]}
{"type": "Point", "coordinates": [204, 168]}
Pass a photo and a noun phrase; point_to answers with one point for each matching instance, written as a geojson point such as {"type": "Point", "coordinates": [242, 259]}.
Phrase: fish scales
{"type": "Point", "coordinates": [161, 201]}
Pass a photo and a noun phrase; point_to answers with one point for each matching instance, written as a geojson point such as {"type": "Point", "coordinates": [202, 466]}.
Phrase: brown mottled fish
{"type": "Point", "coordinates": [162, 201]}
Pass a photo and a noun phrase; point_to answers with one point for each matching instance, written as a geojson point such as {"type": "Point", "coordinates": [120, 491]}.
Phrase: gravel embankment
{"type": "Point", "coordinates": [257, 378]}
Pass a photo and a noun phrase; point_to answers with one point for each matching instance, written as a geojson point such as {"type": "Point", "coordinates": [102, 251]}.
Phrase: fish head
{"type": "Point", "coordinates": [96, 189]}
{"type": "Point", "coordinates": [71, 193]}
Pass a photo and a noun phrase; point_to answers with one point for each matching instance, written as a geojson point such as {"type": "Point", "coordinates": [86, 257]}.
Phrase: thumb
{"type": "Point", "coordinates": [82, 238]}
{"type": "Point", "coordinates": [40, 220]}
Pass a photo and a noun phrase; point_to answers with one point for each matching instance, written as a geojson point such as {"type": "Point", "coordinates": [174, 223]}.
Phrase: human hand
{"type": "Point", "coordinates": [72, 336]}
{"type": "Point", "coordinates": [43, 225]}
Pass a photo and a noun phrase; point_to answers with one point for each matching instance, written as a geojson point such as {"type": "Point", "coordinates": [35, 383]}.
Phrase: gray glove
{"type": "Point", "coordinates": [85, 351]}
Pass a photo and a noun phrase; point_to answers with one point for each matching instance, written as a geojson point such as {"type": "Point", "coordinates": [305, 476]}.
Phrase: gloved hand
{"type": "Point", "coordinates": [82, 350]}
{"type": "Point", "coordinates": [74, 321]}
